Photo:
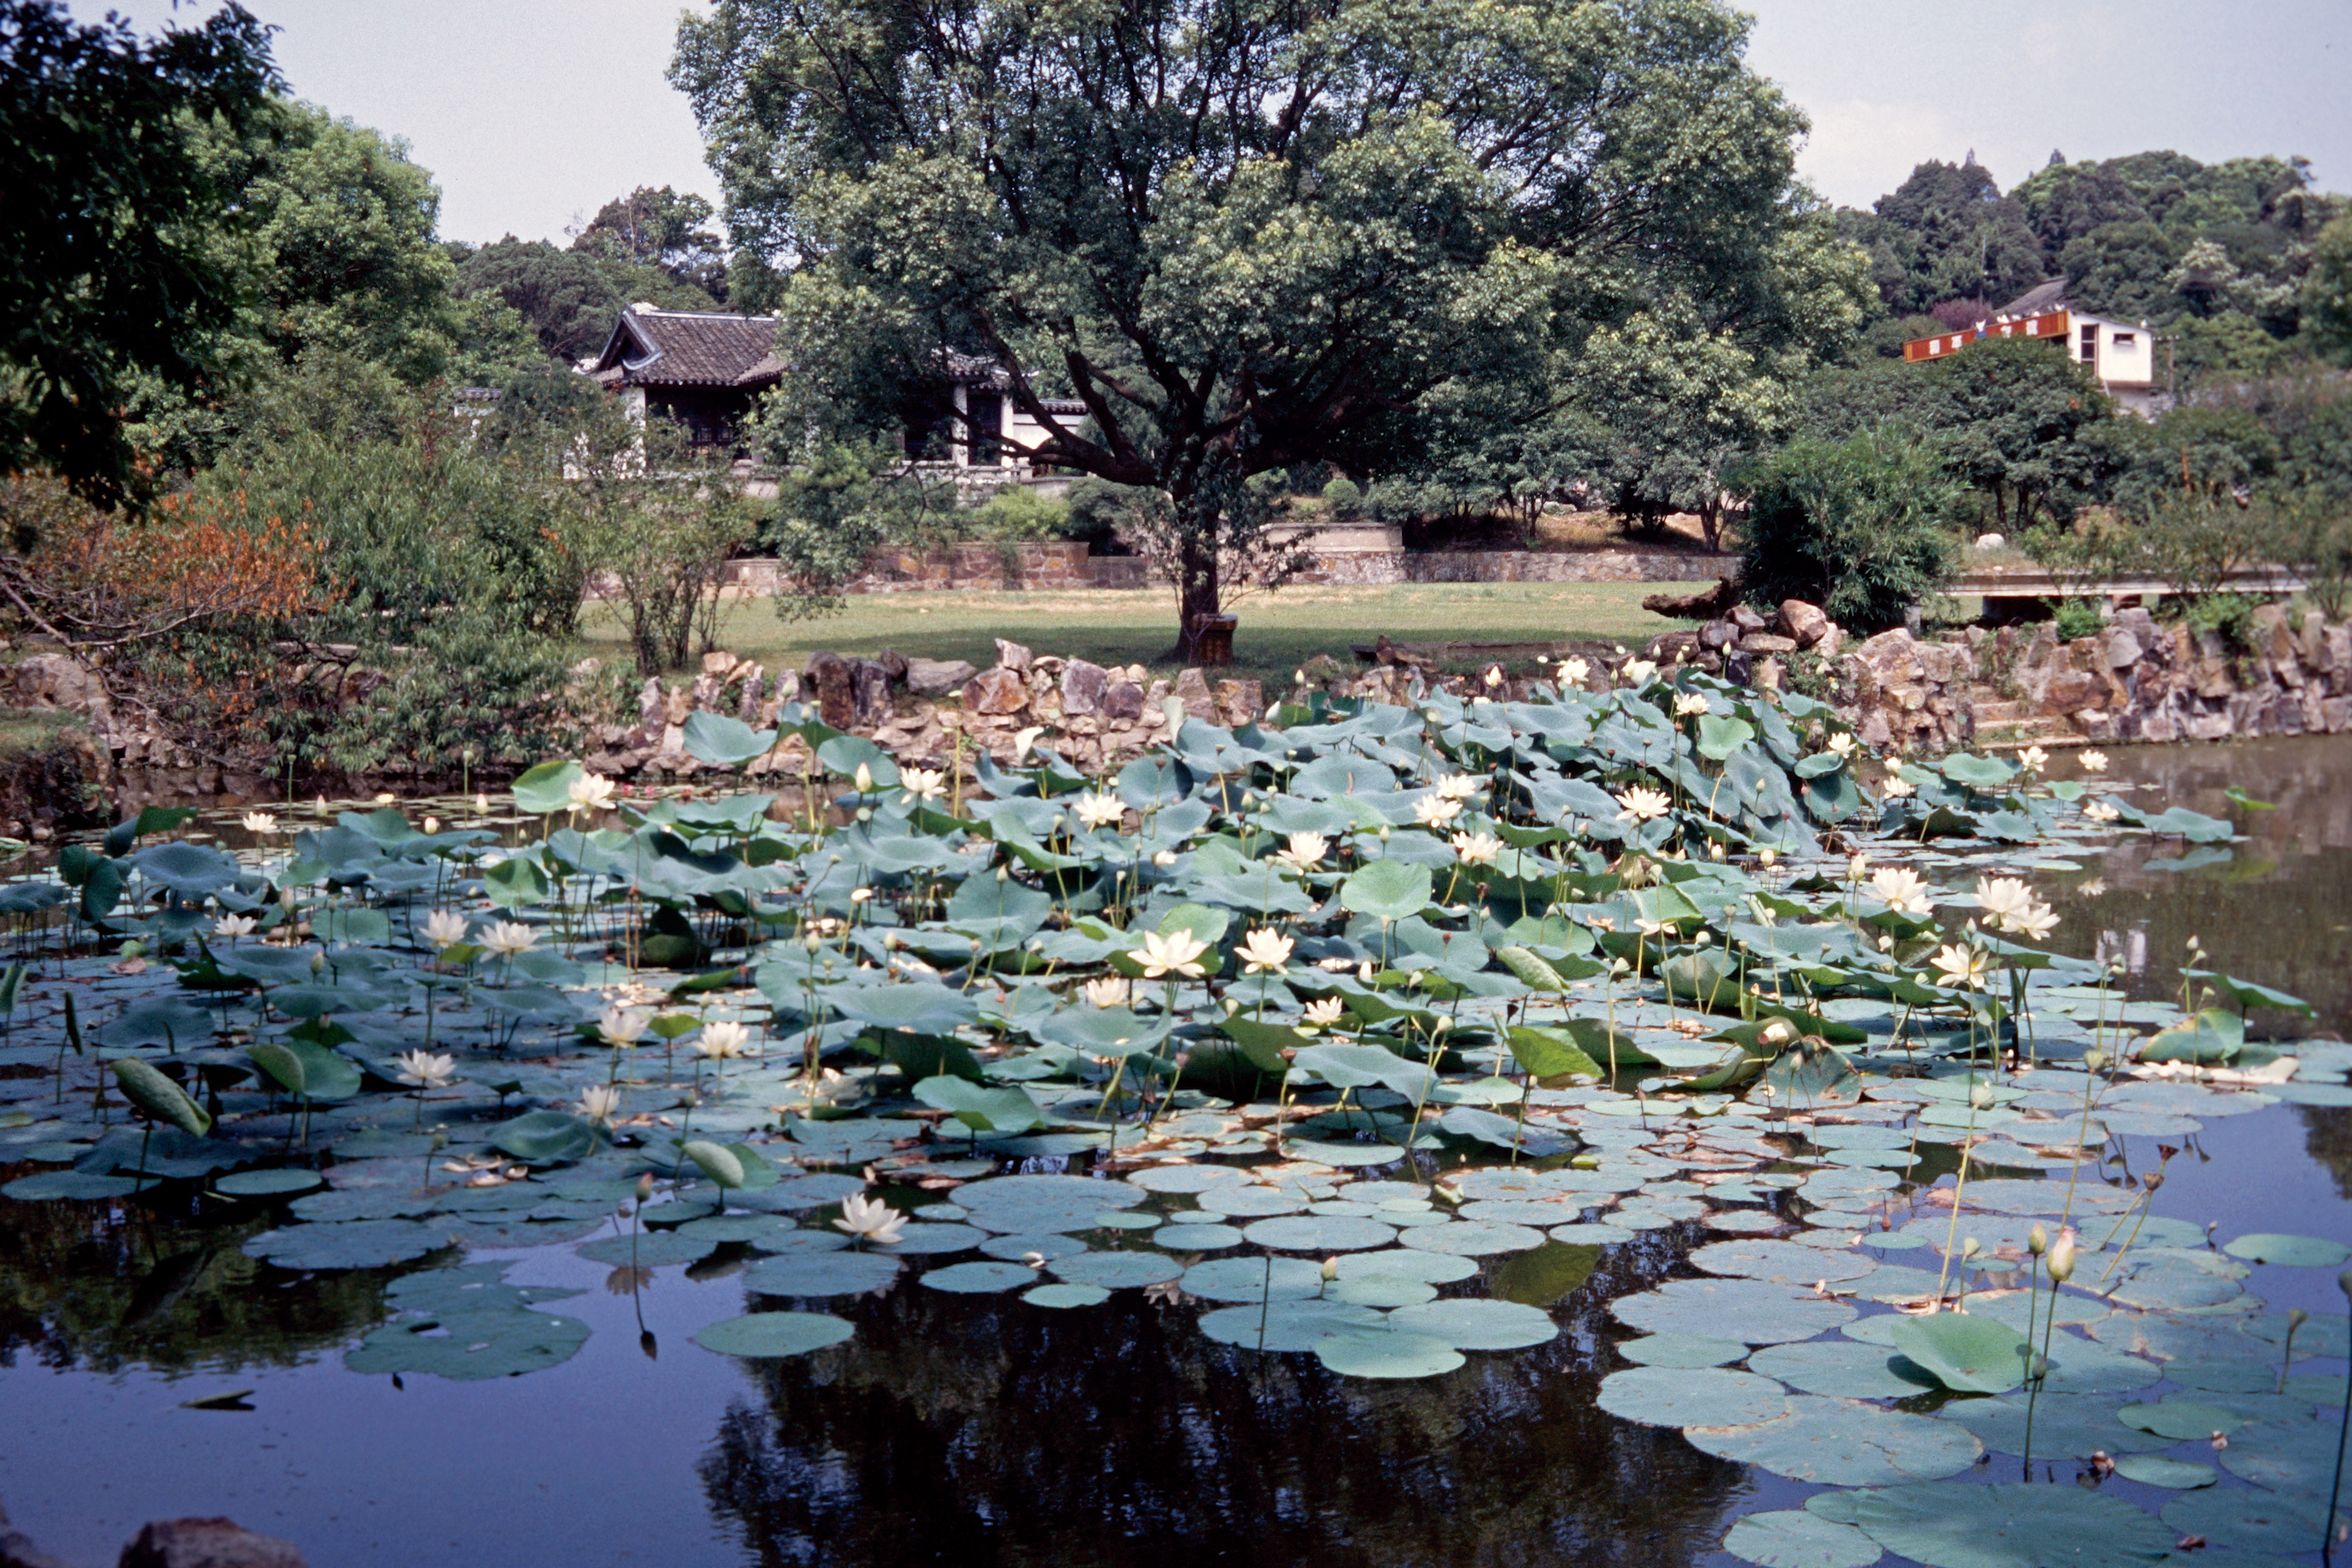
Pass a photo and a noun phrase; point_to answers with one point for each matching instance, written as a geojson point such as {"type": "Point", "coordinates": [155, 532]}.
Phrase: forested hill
{"type": "Point", "coordinates": [2215, 255]}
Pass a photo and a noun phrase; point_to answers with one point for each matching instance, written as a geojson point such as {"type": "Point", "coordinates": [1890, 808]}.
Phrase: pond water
{"type": "Point", "coordinates": [983, 1428]}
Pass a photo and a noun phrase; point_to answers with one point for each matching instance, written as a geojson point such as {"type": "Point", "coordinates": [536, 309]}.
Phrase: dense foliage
{"type": "Point", "coordinates": [1856, 526]}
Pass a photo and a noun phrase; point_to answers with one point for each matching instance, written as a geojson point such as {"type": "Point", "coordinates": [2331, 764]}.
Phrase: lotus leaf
{"type": "Point", "coordinates": [1758, 1312]}
{"type": "Point", "coordinates": [1386, 889]}
{"type": "Point", "coordinates": [1255, 1279]}
{"type": "Point", "coordinates": [1289, 1325]}
{"type": "Point", "coordinates": [546, 1137]}
{"type": "Point", "coordinates": [978, 1278]}
{"type": "Point", "coordinates": [470, 1346]}
{"type": "Point", "coordinates": [1384, 1354]}
{"type": "Point", "coordinates": [1793, 1538]}
{"type": "Point", "coordinates": [1185, 1178]}
{"type": "Point", "coordinates": [145, 1087]}
{"type": "Point", "coordinates": [1115, 1270]}
{"type": "Point", "coordinates": [1320, 1234]}
{"type": "Point", "coordinates": [1966, 1355]}
{"type": "Point", "coordinates": [350, 1243]}
{"type": "Point", "coordinates": [824, 1274]}
{"type": "Point", "coordinates": [2295, 1251]}
{"type": "Point", "coordinates": [2156, 1470]}
{"type": "Point", "coordinates": [2246, 1520]}
{"type": "Point", "coordinates": [1470, 1238]}
{"type": "Point", "coordinates": [1678, 1350]}
{"type": "Point", "coordinates": [1957, 1525]}
{"type": "Point", "coordinates": [1690, 1396]}
{"type": "Point", "coordinates": [267, 1184]}
{"type": "Point", "coordinates": [654, 1250]}
{"type": "Point", "coordinates": [1468, 1323]}
{"type": "Point", "coordinates": [1843, 1442]}
{"type": "Point", "coordinates": [48, 1186]}
{"type": "Point", "coordinates": [1845, 1369]}
{"type": "Point", "coordinates": [1434, 1268]}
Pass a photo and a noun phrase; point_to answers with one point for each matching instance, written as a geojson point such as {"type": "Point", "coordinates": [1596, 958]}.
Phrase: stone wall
{"type": "Point", "coordinates": [2134, 680]}
{"type": "Point", "coordinates": [1060, 564]}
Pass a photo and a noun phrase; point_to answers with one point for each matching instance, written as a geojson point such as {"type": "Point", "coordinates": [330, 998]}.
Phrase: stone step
{"type": "Point", "coordinates": [2016, 734]}
{"type": "Point", "coordinates": [1997, 711]}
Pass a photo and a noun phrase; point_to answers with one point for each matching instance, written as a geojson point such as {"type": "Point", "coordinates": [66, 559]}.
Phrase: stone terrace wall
{"type": "Point", "coordinates": [1057, 564]}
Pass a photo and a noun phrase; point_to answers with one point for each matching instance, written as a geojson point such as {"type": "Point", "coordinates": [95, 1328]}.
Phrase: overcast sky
{"type": "Point", "coordinates": [533, 113]}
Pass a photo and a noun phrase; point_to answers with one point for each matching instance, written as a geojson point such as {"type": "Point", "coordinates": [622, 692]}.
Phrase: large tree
{"type": "Point", "coordinates": [1244, 234]}
{"type": "Point", "coordinates": [112, 264]}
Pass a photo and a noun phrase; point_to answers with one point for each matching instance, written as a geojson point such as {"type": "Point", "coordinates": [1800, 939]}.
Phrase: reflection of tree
{"type": "Point", "coordinates": [111, 1285]}
{"type": "Point", "coordinates": [988, 1430]}
{"type": "Point", "coordinates": [2328, 1138]}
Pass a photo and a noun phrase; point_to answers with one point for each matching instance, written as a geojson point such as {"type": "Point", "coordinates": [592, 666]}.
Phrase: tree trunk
{"type": "Point", "coordinates": [1710, 521]}
{"type": "Point", "coordinates": [1197, 593]}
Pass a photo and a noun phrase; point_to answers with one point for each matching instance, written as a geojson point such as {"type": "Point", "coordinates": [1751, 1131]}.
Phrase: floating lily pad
{"type": "Point", "coordinates": [470, 1346]}
{"type": "Point", "coordinates": [1681, 1350]}
{"type": "Point", "coordinates": [349, 1244]}
{"type": "Point", "coordinates": [1115, 1219]}
{"type": "Point", "coordinates": [655, 1250]}
{"type": "Point", "coordinates": [1252, 1279]}
{"type": "Point", "coordinates": [1020, 1246]}
{"type": "Point", "coordinates": [753, 1228]}
{"type": "Point", "coordinates": [1958, 1524]}
{"type": "Point", "coordinates": [1384, 1354]}
{"type": "Point", "coordinates": [1185, 1178]}
{"type": "Point", "coordinates": [764, 1336]}
{"type": "Point", "coordinates": [1355, 1156]}
{"type": "Point", "coordinates": [1251, 1202]}
{"type": "Point", "coordinates": [1746, 1221]}
{"type": "Point", "coordinates": [1691, 1396]}
{"type": "Point", "coordinates": [932, 1240]}
{"type": "Point", "coordinates": [2179, 1419]}
{"type": "Point", "coordinates": [2246, 1520]}
{"type": "Point", "coordinates": [1791, 1537]}
{"type": "Point", "coordinates": [1468, 1238]}
{"type": "Point", "coordinates": [1381, 1290]}
{"type": "Point", "coordinates": [1966, 1355]}
{"type": "Point", "coordinates": [1591, 1235]}
{"type": "Point", "coordinates": [46, 1186]}
{"type": "Point", "coordinates": [1431, 1268]}
{"type": "Point", "coordinates": [1117, 1270]}
{"type": "Point", "coordinates": [1758, 1312]}
{"type": "Point", "coordinates": [1062, 1297]}
{"type": "Point", "coordinates": [2294, 1251]}
{"type": "Point", "coordinates": [1289, 1325]}
{"type": "Point", "coordinates": [2156, 1470]}
{"type": "Point", "coordinates": [1843, 1442]}
{"type": "Point", "coordinates": [1468, 1323]}
{"type": "Point", "coordinates": [265, 1183]}
{"type": "Point", "coordinates": [978, 1278]}
{"type": "Point", "coordinates": [1197, 1237]}
{"type": "Point", "coordinates": [2065, 1425]}
{"type": "Point", "coordinates": [1844, 1368]}
{"type": "Point", "coordinates": [826, 1273]}
{"type": "Point", "coordinates": [1782, 1260]}
{"type": "Point", "coordinates": [1320, 1233]}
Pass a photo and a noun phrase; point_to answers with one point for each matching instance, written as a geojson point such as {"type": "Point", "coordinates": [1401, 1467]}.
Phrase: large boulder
{"type": "Point", "coordinates": [836, 688]}
{"type": "Point", "coordinates": [207, 1544]}
{"type": "Point", "coordinates": [1012, 656]}
{"type": "Point", "coordinates": [1808, 624]}
{"type": "Point", "coordinates": [937, 677]}
{"type": "Point", "coordinates": [55, 681]}
{"type": "Point", "coordinates": [1083, 686]}
{"type": "Point", "coordinates": [996, 691]}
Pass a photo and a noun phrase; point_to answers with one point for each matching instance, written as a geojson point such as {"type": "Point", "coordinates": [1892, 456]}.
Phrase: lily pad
{"type": "Point", "coordinates": [978, 1278]}
{"type": "Point", "coordinates": [1793, 1538]}
{"type": "Point", "coordinates": [51, 1185]}
{"type": "Point", "coordinates": [1431, 1268]}
{"type": "Point", "coordinates": [1681, 1350]}
{"type": "Point", "coordinates": [1320, 1234]}
{"type": "Point", "coordinates": [1782, 1260]}
{"type": "Point", "coordinates": [1843, 1442]}
{"type": "Point", "coordinates": [1062, 1296]}
{"type": "Point", "coordinates": [2179, 1419]}
{"type": "Point", "coordinates": [267, 1184]}
{"type": "Point", "coordinates": [2294, 1251]}
{"type": "Point", "coordinates": [1117, 1270]}
{"type": "Point", "coordinates": [2246, 1520]}
{"type": "Point", "coordinates": [2065, 1425]}
{"type": "Point", "coordinates": [349, 1244]}
{"type": "Point", "coordinates": [824, 1274]}
{"type": "Point", "coordinates": [770, 1336]}
{"type": "Point", "coordinates": [1469, 1238]}
{"type": "Point", "coordinates": [655, 1250]}
{"type": "Point", "coordinates": [1843, 1368]}
{"type": "Point", "coordinates": [1384, 1354]}
{"type": "Point", "coordinates": [1254, 1278]}
{"type": "Point", "coordinates": [1968, 1355]}
{"type": "Point", "coordinates": [2156, 1470]}
{"type": "Point", "coordinates": [1958, 1524]}
{"type": "Point", "coordinates": [1758, 1312]}
{"type": "Point", "coordinates": [1469, 1323]}
{"type": "Point", "coordinates": [468, 1347]}
{"type": "Point", "coordinates": [1691, 1396]}
{"type": "Point", "coordinates": [1289, 1325]}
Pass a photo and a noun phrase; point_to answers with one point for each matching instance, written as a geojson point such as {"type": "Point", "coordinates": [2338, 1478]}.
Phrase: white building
{"type": "Point", "coordinates": [2121, 354]}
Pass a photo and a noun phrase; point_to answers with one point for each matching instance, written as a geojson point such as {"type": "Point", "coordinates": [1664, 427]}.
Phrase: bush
{"type": "Point", "coordinates": [1344, 497]}
{"type": "Point", "coordinates": [1854, 526]}
{"type": "Point", "coordinates": [2079, 619]}
{"type": "Point", "coordinates": [1017, 512]}
{"type": "Point", "coordinates": [1100, 511]}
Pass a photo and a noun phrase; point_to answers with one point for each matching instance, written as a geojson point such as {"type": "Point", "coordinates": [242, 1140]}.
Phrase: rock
{"type": "Point", "coordinates": [207, 1544]}
{"type": "Point", "coordinates": [1122, 699]}
{"type": "Point", "coordinates": [1746, 619]}
{"type": "Point", "coordinates": [55, 681]}
{"type": "Point", "coordinates": [2123, 649]}
{"type": "Point", "coordinates": [748, 707]}
{"type": "Point", "coordinates": [870, 690]}
{"type": "Point", "coordinates": [1011, 655]}
{"type": "Point", "coordinates": [1191, 690]}
{"type": "Point", "coordinates": [1806, 623]}
{"type": "Point", "coordinates": [1240, 702]}
{"type": "Point", "coordinates": [678, 705]}
{"type": "Point", "coordinates": [996, 691]}
{"type": "Point", "coordinates": [1083, 684]}
{"type": "Point", "coordinates": [1717, 636]}
{"type": "Point", "coordinates": [1832, 639]}
{"type": "Point", "coordinates": [1992, 542]}
{"type": "Point", "coordinates": [894, 665]}
{"type": "Point", "coordinates": [836, 688]}
{"type": "Point", "coordinates": [653, 705]}
{"type": "Point", "coordinates": [1768, 674]}
{"type": "Point", "coordinates": [788, 688]}
{"type": "Point", "coordinates": [1320, 670]}
{"type": "Point", "coordinates": [1766, 642]}
{"type": "Point", "coordinates": [1715, 601]}
{"type": "Point", "coordinates": [719, 662]}
{"type": "Point", "coordinates": [937, 677]}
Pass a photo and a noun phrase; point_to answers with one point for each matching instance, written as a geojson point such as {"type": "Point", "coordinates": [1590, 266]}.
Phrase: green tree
{"type": "Point", "coordinates": [659, 228]}
{"type": "Point", "coordinates": [1854, 526]}
{"type": "Point", "coordinates": [1245, 236]}
{"type": "Point", "coordinates": [1947, 233]}
{"type": "Point", "coordinates": [119, 250]}
{"type": "Point", "coordinates": [2327, 290]}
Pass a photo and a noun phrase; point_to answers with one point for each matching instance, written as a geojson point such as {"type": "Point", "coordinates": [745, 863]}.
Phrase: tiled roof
{"type": "Point", "coordinates": [689, 348]}
{"type": "Point", "coordinates": [2042, 297]}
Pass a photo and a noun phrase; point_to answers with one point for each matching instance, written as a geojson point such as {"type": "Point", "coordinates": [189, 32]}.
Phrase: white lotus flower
{"type": "Point", "coordinates": [621, 1027]}
{"type": "Point", "coordinates": [1476, 848]}
{"type": "Point", "coordinates": [432, 825]}
{"type": "Point", "coordinates": [2093, 762]}
{"type": "Point", "coordinates": [1304, 851]}
{"type": "Point", "coordinates": [1575, 671]}
{"type": "Point", "coordinates": [443, 929]}
{"type": "Point", "coordinates": [1111, 991]}
{"type": "Point", "coordinates": [2036, 924]}
{"type": "Point", "coordinates": [870, 1219]}
{"type": "Point", "coordinates": [1653, 928]}
{"type": "Point", "coordinates": [922, 784]}
{"type": "Point", "coordinates": [234, 926]}
{"type": "Point", "coordinates": [1637, 671]}
{"type": "Point", "coordinates": [261, 822]}
{"type": "Point", "coordinates": [2033, 759]}
{"type": "Point", "coordinates": [1436, 810]}
{"type": "Point", "coordinates": [1895, 787]}
{"type": "Point", "coordinates": [1904, 890]}
{"type": "Point", "coordinates": [1456, 787]}
{"type": "Point", "coordinates": [1642, 805]}
{"type": "Point", "coordinates": [1961, 965]}
{"type": "Point", "coordinates": [1096, 809]}
{"type": "Point", "coordinates": [2100, 811]}
{"type": "Point", "coordinates": [1691, 704]}
{"type": "Point", "coordinates": [510, 939]}
{"type": "Point", "coordinates": [600, 1102]}
{"type": "Point", "coordinates": [589, 792]}
{"type": "Point", "coordinates": [1324, 1014]}
{"type": "Point", "coordinates": [723, 1040]}
{"type": "Point", "coordinates": [423, 1069]}
{"type": "Point", "coordinates": [1178, 953]}
{"type": "Point", "coordinates": [1164, 859]}
{"type": "Point", "coordinates": [1857, 868]}
{"type": "Point", "coordinates": [1264, 952]}
{"type": "Point", "coordinates": [1842, 743]}
{"type": "Point", "coordinates": [2003, 899]}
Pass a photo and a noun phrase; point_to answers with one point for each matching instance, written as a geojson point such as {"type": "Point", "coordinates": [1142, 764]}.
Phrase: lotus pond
{"type": "Point", "coordinates": [1630, 1126]}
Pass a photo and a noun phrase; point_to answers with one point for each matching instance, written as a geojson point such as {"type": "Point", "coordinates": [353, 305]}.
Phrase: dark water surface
{"type": "Point", "coordinates": [981, 1430]}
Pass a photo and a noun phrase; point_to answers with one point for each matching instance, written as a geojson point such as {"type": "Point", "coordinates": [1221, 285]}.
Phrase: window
{"type": "Point", "coordinates": [2090, 355]}
{"type": "Point", "coordinates": [2126, 340]}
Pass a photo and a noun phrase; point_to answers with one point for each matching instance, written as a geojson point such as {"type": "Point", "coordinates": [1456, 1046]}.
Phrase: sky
{"type": "Point", "coordinates": [533, 113]}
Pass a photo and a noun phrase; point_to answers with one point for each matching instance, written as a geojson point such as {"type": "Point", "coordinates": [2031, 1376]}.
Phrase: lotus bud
{"type": "Point", "coordinates": [864, 779]}
{"type": "Point", "coordinates": [812, 941]}
{"type": "Point", "coordinates": [319, 962]}
{"type": "Point", "coordinates": [2061, 1259]}
{"type": "Point", "coordinates": [1980, 1097]}
{"type": "Point", "coordinates": [2296, 1317]}
{"type": "Point", "coordinates": [1330, 1269]}
{"type": "Point", "coordinates": [2092, 1060]}
{"type": "Point", "coordinates": [1767, 859]}
{"type": "Point", "coordinates": [1971, 1247]}
{"type": "Point", "coordinates": [2037, 1241]}
{"type": "Point", "coordinates": [645, 1188]}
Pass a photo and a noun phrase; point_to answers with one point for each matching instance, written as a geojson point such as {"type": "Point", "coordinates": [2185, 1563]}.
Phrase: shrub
{"type": "Point", "coordinates": [1100, 511]}
{"type": "Point", "coordinates": [1344, 497]}
{"type": "Point", "coordinates": [1017, 512]}
{"type": "Point", "coordinates": [1854, 526]}
{"type": "Point", "coordinates": [2079, 619]}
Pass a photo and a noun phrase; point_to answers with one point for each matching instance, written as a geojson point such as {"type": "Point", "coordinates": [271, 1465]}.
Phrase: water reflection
{"type": "Point", "coordinates": [955, 1429]}
{"type": "Point", "coordinates": [2276, 907]}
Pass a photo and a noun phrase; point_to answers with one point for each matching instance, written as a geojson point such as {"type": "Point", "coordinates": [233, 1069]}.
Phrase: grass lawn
{"type": "Point", "coordinates": [1277, 633]}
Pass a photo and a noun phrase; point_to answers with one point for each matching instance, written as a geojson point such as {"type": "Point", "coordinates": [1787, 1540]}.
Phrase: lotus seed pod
{"type": "Point", "coordinates": [2094, 1059]}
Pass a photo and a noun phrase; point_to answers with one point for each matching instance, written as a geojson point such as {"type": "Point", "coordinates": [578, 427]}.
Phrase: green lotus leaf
{"type": "Point", "coordinates": [720, 1164]}
{"type": "Point", "coordinates": [2242, 1518]}
{"type": "Point", "coordinates": [1845, 1369]}
{"type": "Point", "coordinates": [2292, 1251]}
{"type": "Point", "coordinates": [267, 1184]}
{"type": "Point", "coordinates": [729, 743]}
{"type": "Point", "coordinates": [768, 1336]}
{"type": "Point", "coordinates": [1115, 1270]}
{"type": "Point", "coordinates": [1386, 889]}
{"type": "Point", "coordinates": [546, 789]}
{"type": "Point", "coordinates": [1793, 1538]}
{"type": "Point", "coordinates": [159, 1097]}
{"type": "Point", "coordinates": [1289, 1325]}
{"type": "Point", "coordinates": [1384, 1354]}
{"type": "Point", "coordinates": [1681, 1350]}
{"type": "Point", "coordinates": [172, 1022]}
{"type": "Point", "coordinates": [1843, 1442]}
{"type": "Point", "coordinates": [1691, 1396]}
{"type": "Point", "coordinates": [1751, 1310]}
{"type": "Point", "coordinates": [1966, 1355]}
{"type": "Point", "coordinates": [2156, 1470]}
{"type": "Point", "coordinates": [978, 1278]}
{"type": "Point", "coordinates": [350, 1243]}
{"type": "Point", "coordinates": [546, 1137]}
{"type": "Point", "coordinates": [1006, 1110]}
{"type": "Point", "coordinates": [1959, 1525]}
{"type": "Point", "coordinates": [467, 1347]}
{"type": "Point", "coordinates": [1062, 1297]}
{"type": "Point", "coordinates": [841, 1273]}
{"type": "Point", "coordinates": [655, 1250]}
{"type": "Point", "coordinates": [514, 883]}
{"type": "Point", "coordinates": [1320, 1234]}
{"type": "Point", "coordinates": [49, 1187]}
{"type": "Point", "coordinates": [1468, 1323]}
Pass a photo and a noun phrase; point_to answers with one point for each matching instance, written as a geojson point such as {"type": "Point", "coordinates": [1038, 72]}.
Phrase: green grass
{"type": "Point", "coordinates": [1277, 633]}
